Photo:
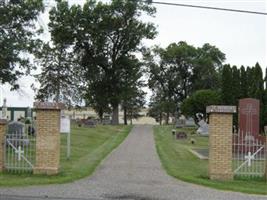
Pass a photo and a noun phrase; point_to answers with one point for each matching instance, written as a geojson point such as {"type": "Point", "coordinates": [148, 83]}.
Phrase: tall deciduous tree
{"type": "Point", "coordinates": [106, 33]}
{"type": "Point", "coordinates": [208, 64]}
{"type": "Point", "coordinates": [171, 74]}
{"type": "Point", "coordinates": [133, 98]}
{"type": "Point", "coordinates": [17, 31]}
{"type": "Point", "coordinates": [180, 69]}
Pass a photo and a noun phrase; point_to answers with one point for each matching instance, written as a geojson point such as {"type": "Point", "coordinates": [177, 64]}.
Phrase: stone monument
{"type": "Point", "coordinates": [249, 119]}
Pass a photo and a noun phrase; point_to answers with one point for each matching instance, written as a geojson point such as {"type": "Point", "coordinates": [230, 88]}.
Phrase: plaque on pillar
{"type": "Point", "coordinates": [220, 109]}
{"type": "Point", "coordinates": [48, 105]}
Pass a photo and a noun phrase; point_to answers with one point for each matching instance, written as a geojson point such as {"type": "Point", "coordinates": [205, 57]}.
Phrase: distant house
{"type": "Point", "coordinates": [14, 113]}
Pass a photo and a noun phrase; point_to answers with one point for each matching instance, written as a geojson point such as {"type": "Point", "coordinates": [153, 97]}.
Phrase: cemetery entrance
{"type": "Point", "coordinates": [19, 147]}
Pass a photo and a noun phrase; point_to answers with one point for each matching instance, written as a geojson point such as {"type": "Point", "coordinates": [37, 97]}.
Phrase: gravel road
{"type": "Point", "coordinates": [131, 172]}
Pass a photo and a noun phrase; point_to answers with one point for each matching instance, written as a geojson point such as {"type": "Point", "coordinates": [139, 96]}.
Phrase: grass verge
{"type": "Point", "coordinates": [180, 163]}
{"type": "Point", "coordinates": [89, 146]}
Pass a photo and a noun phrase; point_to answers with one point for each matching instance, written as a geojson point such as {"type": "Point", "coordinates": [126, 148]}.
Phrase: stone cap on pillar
{"type": "Point", "coordinates": [48, 106]}
{"type": "Point", "coordinates": [221, 109]}
{"type": "Point", "coordinates": [3, 121]}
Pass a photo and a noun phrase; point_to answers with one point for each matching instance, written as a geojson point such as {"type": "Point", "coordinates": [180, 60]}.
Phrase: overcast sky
{"type": "Point", "coordinates": [242, 37]}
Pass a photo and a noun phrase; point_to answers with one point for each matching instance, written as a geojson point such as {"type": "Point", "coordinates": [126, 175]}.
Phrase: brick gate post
{"type": "Point", "coordinates": [220, 142]}
{"type": "Point", "coordinates": [47, 138]}
{"type": "Point", "coordinates": [3, 123]}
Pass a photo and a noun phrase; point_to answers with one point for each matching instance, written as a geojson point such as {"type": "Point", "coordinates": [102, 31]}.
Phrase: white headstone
{"type": "Point", "coordinates": [203, 128]}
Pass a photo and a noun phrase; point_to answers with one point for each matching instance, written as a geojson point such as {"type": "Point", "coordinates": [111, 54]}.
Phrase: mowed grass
{"type": "Point", "coordinates": [89, 146]}
{"type": "Point", "coordinates": [180, 163]}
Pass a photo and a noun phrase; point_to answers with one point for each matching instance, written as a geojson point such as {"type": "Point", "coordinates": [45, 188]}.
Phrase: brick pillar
{"type": "Point", "coordinates": [47, 138]}
{"type": "Point", "coordinates": [220, 142]}
{"type": "Point", "coordinates": [2, 142]}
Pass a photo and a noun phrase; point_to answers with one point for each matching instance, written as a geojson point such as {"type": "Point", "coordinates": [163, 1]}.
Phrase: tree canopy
{"type": "Point", "coordinates": [17, 38]}
{"type": "Point", "coordinates": [181, 69]}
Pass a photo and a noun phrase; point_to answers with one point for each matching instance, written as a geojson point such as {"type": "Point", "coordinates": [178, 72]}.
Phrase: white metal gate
{"type": "Point", "coordinates": [248, 155]}
{"type": "Point", "coordinates": [20, 149]}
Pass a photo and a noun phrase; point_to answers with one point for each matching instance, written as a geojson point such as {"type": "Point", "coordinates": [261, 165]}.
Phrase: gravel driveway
{"type": "Point", "coordinates": [131, 172]}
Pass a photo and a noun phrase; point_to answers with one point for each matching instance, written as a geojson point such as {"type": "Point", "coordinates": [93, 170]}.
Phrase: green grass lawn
{"type": "Point", "coordinates": [89, 146]}
{"type": "Point", "coordinates": [179, 162]}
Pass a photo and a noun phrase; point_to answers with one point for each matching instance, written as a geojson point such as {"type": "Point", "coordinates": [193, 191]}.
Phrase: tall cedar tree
{"type": "Point", "coordinates": [265, 100]}
{"type": "Point", "coordinates": [236, 90]}
{"type": "Point", "coordinates": [17, 32]}
{"type": "Point", "coordinates": [258, 87]}
{"type": "Point", "coordinates": [243, 83]}
{"type": "Point", "coordinates": [226, 88]}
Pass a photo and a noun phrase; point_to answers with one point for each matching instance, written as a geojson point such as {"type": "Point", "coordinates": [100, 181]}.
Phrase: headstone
{"type": "Point", "coordinates": [181, 135]}
{"type": "Point", "coordinates": [106, 120]}
{"type": "Point", "coordinates": [16, 128]}
{"type": "Point", "coordinates": [16, 133]}
{"type": "Point", "coordinates": [180, 123]}
{"type": "Point", "coordinates": [190, 122]}
{"type": "Point", "coordinates": [249, 112]}
{"type": "Point", "coordinates": [90, 123]}
{"type": "Point", "coordinates": [203, 128]}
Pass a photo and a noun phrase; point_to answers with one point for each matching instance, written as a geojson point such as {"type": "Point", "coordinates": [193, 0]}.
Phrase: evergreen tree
{"type": "Point", "coordinates": [258, 85]}
{"type": "Point", "coordinates": [236, 91]}
{"type": "Point", "coordinates": [227, 89]}
{"type": "Point", "coordinates": [250, 82]}
{"type": "Point", "coordinates": [236, 86]}
{"type": "Point", "coordinates": [265, 100]}
{"type": "Point", "coordinates": [243, 83]}
{"type": "Point", "coordinates": [60, 75]}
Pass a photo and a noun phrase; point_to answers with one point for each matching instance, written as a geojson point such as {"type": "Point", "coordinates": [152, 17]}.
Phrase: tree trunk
{"type": "Point", "coordinates": [167, 118]}
{"type": "Point", "coordinates": [115, 114]}
{"type": "Point", "coordinates": [100, 115]}
{"type": "Point", "coordinates": [131, 118]}
{"type": "Point", "coordinates": [160, 119]}
{"type": "Point", "coordinates": [125, 115]}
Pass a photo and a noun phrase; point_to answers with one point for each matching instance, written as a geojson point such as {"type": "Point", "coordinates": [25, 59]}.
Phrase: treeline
{"type": "Point", "coordinates": [92, 58]}
{"type": "Point", "coordinates": [230, 83]}
{"type": "Point", "coordinates": [244, 82]}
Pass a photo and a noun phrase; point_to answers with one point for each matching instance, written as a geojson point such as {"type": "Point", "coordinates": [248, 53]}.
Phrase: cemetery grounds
{"type": "Point", "coordinates": [178, 160]}
{"type": "Point", "coordinates": [89, 146]}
